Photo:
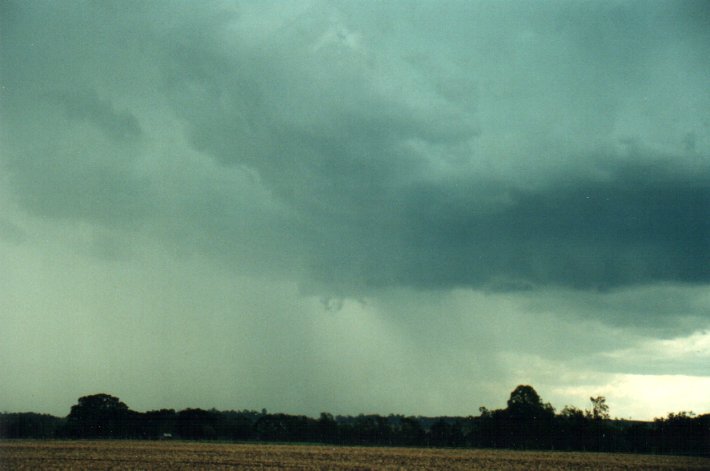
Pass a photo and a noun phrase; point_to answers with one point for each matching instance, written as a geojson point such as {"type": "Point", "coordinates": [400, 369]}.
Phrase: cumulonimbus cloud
{"type": "Point", "coordinates": [379, 162]}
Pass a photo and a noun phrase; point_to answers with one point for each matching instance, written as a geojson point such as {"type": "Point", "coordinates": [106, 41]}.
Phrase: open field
{"type": "Point", "coordinates": [144, 455]}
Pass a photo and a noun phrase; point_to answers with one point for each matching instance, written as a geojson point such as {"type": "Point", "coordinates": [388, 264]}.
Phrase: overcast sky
{"type": "Point", "coordinates": [355, 207]}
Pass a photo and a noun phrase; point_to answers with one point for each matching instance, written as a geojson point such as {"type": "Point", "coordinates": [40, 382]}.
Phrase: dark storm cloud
{"type": "Point", "coordinates": [496, 145]}
{"type": "Point", "coordinates": [656, 310]}
{"type": "Point", "coordinates": [643, 223]}
{"type": "Point", "coordinates": [380, 163]}
{"type": "Point", "coordinates": [488, 193]}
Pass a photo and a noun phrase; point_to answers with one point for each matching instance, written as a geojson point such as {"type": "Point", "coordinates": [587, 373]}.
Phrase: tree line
{"type": "Point", "coordinates": [526, 423]}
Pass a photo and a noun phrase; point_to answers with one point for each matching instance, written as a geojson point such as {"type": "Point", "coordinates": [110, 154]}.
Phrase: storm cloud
{"type": "Point", "coordinates": [399, 164]}
{"type": "Point", "coordinates": [549, 159]}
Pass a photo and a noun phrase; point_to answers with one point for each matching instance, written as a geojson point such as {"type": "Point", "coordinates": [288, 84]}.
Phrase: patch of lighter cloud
{"type": "Point", "coordinates": [692, 347]}
{"type": "Point", "coordinates": [696, 344]}
{"type": "Point", "coordinates": [644, 397]}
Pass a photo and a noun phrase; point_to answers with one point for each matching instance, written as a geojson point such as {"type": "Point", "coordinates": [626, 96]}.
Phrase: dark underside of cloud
{"type": "Point", "coordinates": [643, 223]}
{"type": "Point", "coordinates": [368, 142]}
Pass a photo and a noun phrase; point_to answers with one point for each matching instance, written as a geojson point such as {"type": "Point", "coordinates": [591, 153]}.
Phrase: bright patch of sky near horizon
{"type": "Point", "coordinates": [406, 207]}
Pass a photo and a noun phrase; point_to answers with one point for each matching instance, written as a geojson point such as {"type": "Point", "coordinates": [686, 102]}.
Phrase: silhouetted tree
{"type": "Point", "coordinates": [364, 429]}
{"type": "Point", "coordinates": [525, 402]}
{"type": "Point", "coordinates": [158, 423]}
{"type": "Point", "coordinates": [440, 433]}
{"type": "Point", "coordinates": [682, 432]}
{"type": "Point", "coordinates": [284, 427]}
{"type": "Point", "coordinates": [530, 422]}
{"type": "Point", "coordinates": [526, 422]}
{"type": "Point", "coordinates": [600, 434]}
{"type": "Point", "coordinates": [572, 429]}
{"type": "Point", "coordinates": [409, 432]}
{"type": "Point", "coordinates": [600, 410]}
{"type": "Point", "coordinates": [327, 428]}
{"type": "Point", "coordinates": [196, 424]}
{"type": "Point", "coordinates": [99, 416]}
{"type": "Point", "coordinates": [30, 425]}
{"type": "Point", "coordinates": [235, 426]}
{"type": "Point", "coordinates": [639, 438]}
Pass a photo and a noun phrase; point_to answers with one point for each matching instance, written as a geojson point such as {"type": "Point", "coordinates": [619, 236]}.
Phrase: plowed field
{"type": "Point", "coordinates": [143, 455]}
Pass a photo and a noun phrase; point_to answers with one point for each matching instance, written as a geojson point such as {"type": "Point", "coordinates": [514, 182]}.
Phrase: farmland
{"type": "Point", "coordinates": [165, 455]}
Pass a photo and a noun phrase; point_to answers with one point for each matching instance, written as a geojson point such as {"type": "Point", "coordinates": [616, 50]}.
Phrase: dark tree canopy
{"type": "Point", "coordinates": [526, 423]}
{"type": "Point", "coordinates": [524, 395]}
{"type": "Point", "coordinates": [525, 402]}
{"type": "Point", "coordinates": [98, 403]}
{"type": "Point", "coordinates": [99, 415]}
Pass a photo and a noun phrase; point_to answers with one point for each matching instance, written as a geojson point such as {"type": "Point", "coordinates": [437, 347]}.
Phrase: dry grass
{"type": "Point", "coordinates": [151, 456]}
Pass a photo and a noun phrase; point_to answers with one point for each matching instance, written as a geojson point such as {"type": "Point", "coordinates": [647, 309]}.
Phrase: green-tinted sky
{"type": "Point", "coordinates": [358, 206]}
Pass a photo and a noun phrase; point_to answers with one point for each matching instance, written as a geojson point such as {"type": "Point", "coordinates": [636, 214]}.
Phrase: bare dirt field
{"type": "Point", "coordinates": [149, 456]}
